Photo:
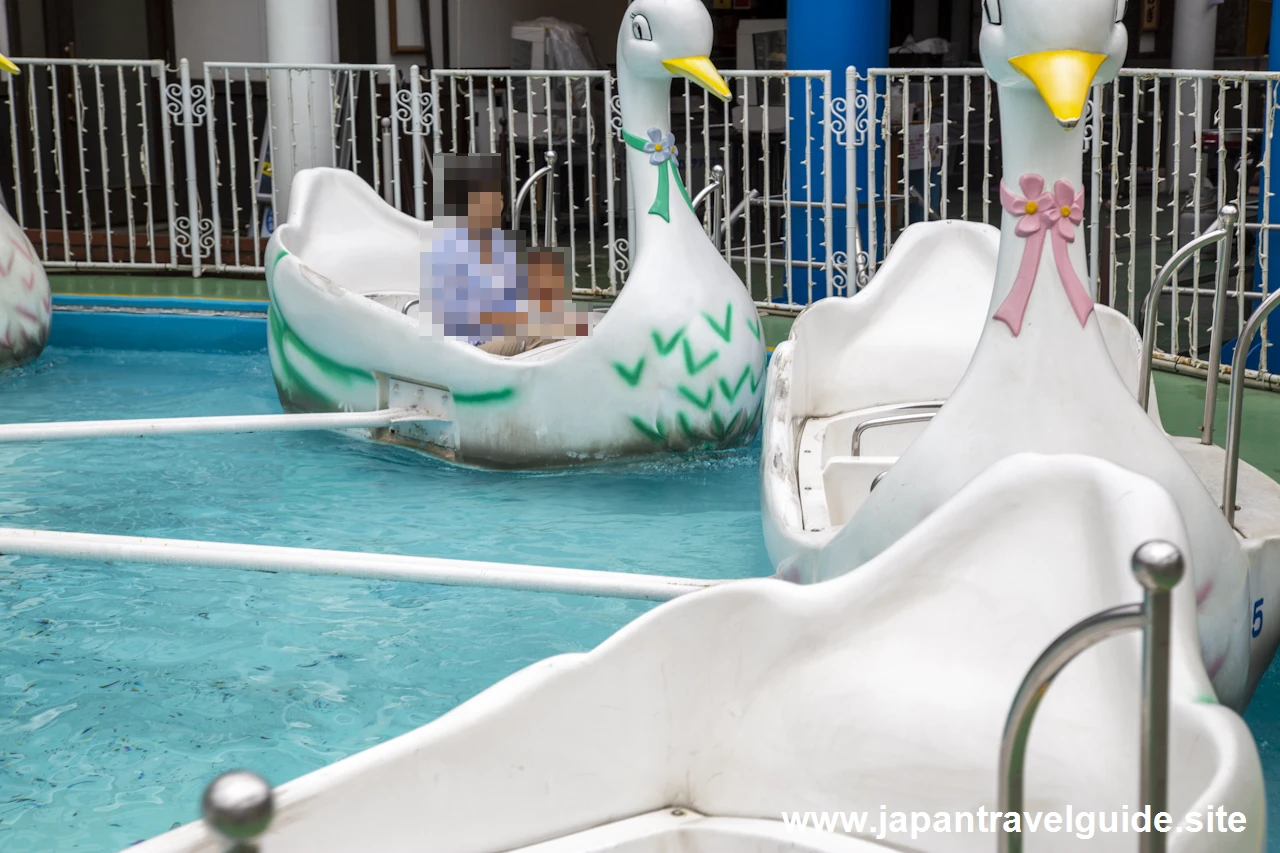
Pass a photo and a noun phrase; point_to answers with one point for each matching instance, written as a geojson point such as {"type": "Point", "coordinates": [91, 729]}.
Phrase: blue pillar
{"type": "Point", "coordinates": [1270, 240]}
{"type": "Point", "coordinates": [827, 35]}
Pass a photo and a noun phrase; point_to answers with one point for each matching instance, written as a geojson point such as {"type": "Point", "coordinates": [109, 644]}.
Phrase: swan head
{"type": "Point", "coordinates": [6, 64]}
{"type": "Point", "coordinates": [1060, 48]}
{"type": "Point", "coordinates": [664, 39]}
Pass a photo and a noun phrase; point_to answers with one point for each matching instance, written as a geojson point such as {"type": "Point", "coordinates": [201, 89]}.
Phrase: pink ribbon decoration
{"type": "Point", "coordinates": [1057, 215]}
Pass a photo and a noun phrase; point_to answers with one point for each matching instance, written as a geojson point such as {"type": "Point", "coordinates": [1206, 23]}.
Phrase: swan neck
{"type": "Point", "coordinates": [646, 105]}
{"type": "Point", "coordinates": [1034, 143]}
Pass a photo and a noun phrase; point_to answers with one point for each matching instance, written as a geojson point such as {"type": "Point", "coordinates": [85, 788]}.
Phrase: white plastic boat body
{"type": "Point", "coordinates": [26, 303]}
{"type": "Point", "coordinates": [676, 364]}
{"type": "Point", "coordinates": [888, 686]}
{"type": "Point", "coordinates": [1043, 376]}
{"type": "Point", "coordinates": [897, 348]}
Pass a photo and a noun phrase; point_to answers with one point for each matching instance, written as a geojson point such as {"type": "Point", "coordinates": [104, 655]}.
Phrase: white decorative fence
{"type": "Point", "coordinates": [135, 166]}
{"type": "Point", "coordinates": [1164, 152]}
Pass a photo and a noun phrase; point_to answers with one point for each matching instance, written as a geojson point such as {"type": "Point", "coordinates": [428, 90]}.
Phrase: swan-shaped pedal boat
{"type": "Point", "coordinates": [678, 363]}
{"type": "Point", "coordinates": [26, 303]}
{"type": "Point", "coordinates": [703, 723]}
{"type": "Point", "coordinates": [1042, 378]}
{"type": "Point", "coordinates": [878, 366]}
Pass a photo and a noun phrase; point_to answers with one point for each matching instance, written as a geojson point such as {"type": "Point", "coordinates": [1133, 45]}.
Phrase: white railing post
{"type": "Point", "coordinates": [388, 180]}
{"type": "Point", "coordinates": [419, 131]}
{"type": "Point", "coordinates": [188, 123]}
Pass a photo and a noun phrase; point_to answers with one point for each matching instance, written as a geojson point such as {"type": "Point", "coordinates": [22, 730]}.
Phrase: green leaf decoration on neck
{"type": "Point", "coordinates": [664, 154]}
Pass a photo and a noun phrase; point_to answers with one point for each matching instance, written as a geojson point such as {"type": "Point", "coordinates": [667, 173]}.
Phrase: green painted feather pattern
{"type": "Point", "coordinates": [718, 406]}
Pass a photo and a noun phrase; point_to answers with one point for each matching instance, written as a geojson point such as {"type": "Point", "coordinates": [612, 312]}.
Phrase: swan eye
{"type": "Point", "coordinates": [992, 10]}
{"type": "Point", "coordinates": [1122, 6]}
{"type": "Point", "coordinates": [640, 28]}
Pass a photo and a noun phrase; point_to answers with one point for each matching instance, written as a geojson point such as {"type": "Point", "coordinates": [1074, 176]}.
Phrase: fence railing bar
{"type": "Point", "coordinates": [215, 175]}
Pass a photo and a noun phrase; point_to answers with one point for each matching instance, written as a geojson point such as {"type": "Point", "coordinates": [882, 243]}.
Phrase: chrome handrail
{"type": "Point", "coordinates": [1222, 230]}
{"type": "Point", "coordinates": [548, 170]}
{"type": "Point", "coordinates": [716, 185]}
{"type": "Point", "coordinates": [1235, 410]}
{"type": "Point", "coordinates": [716, 190]}
{"type": "Point", "coordinates": [740, 210]}
{"type": "Point", "coordinates": [1159, 567]}
{"type": "Point", "coordinates": [239, 807]}
{"type": "Point", "coordinates": [410, 304]}
{"type": "Point", "coordinates": [1228, 215]}
{"type": "Point", "coordinates": [896, 420]}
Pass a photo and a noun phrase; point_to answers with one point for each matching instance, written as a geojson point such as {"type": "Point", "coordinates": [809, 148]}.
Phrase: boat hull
{"type": "Point", "coordinates": [26, 303]}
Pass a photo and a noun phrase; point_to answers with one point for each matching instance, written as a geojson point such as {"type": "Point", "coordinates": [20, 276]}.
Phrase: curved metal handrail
{"type": "Point", "coordinates": [1159, 567]}
{"type": "Point", "coordinates": [716, 185]}
{"type": "Point", "coordinates": [716, 190]}
{"type": "Point", "coordinates": [551, 158]}
{"type": "Point", "coordinates": [1222, 230]}
{"type": "Point", "coordinates": [1229, 215]}
{"type": "Point", "coordinates": [896, 420]}
{"type": "Point", "coordinates": [1235, 411]}
{"type": "Point", "coordinates": [741, 209]}
{"type": "Point", "coordinates": [410, 304]}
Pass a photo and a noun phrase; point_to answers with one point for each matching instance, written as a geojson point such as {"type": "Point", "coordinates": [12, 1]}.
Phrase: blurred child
{"type": "Point", "coordinates": [547, 315]}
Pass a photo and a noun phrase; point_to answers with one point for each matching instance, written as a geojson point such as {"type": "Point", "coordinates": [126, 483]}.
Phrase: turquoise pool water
{"type": "Point", "coordinates": [124, 689]}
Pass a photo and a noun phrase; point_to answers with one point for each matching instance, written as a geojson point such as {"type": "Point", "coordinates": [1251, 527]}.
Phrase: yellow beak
{"type": "Point", "coordinates": [700, 70]}
{"type": "Point", "coordinates": [7, 65]}
{"type": "Point", "coordinates": [1063, 78]}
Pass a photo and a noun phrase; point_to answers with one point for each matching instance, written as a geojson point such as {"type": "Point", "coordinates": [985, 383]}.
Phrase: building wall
{"type": "Point", "coordinates": [226, 30]}
{"type": "Point", "coordinates": [235, 30]}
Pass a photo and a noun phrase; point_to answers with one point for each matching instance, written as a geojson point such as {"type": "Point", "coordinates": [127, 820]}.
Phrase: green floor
{"type": "Point", "coordinates": [178, 287]}
{"type": "Point", "coordinates": [1181, 400]}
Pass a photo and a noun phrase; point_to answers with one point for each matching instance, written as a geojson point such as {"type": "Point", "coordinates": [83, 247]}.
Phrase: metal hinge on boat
{"type": "Point", "coordinates": [433, 429]}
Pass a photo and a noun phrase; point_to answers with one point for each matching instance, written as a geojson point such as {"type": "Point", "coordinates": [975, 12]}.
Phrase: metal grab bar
{"type": "Point", "coordinates": [1228, 215]}
{"type": "Point", "coordinates": [549, 171]}
{"type": "Point", "coordinates": [239, 807]}
{"type": "Point", "coordinates": [716, 185]}
{"type": "Point", "coordinates": [740, 210]}
{"type": "Point", "coordinates": [1235, 410]}
{"type": "Point", "coordinates": [716, 191]}
{"type": "Point", "coordinates": [1159, 567]}
{"type": "Point", "coordinates": [1221, 230]}
{"type": "Point", "coordinates": [876, 423]}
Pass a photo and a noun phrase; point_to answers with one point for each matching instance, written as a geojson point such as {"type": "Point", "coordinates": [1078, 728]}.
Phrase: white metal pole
{"type": "Point", "coordinates": [193, 191]}
{"type": "Point", "coordinates": [143, 428]}
{"type": "Point", "coordinates": [265, 558]}
{"type": "Point", "coordinates": [419, 132]}
{"type": "Point", "coordinates": [5, 46]}
{"type": "Point", "coordinates": [299, 33]}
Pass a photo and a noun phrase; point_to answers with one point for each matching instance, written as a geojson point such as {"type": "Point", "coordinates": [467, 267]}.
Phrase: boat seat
{"type": "Point", "coordinates": [909, 335]}
{"type": "Point", "coordinates": [352, 236]}
{"type": "Point", "coordinates": [837, 480]}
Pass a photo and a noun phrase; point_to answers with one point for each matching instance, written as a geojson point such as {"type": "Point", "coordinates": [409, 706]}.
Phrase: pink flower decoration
{"type": "Point", "coordinates": [1067, 211]}
{"type": "Point", "coordinates": [1042, 215]}
{"type": "Point", "coordinates": [1033, 206]}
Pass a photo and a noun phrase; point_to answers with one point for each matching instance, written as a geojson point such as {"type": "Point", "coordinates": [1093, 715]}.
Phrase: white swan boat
{"type": "Point", "coordinates": [1043, 377]}
{"type": "Point", "coordinates": [718, 721]}
{"type": "Point", "coordinates": [26, 303]}
{"type": "Point", "coordinates": [861, 377]}
{"type": "Point", "coordinates": [677, 363]}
